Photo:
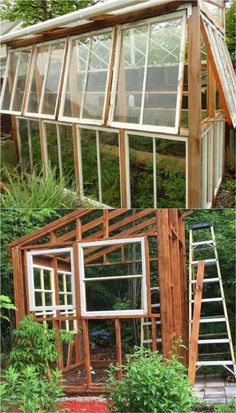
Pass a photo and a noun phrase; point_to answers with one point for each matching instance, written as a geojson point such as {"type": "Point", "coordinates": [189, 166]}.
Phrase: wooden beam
{"type": "Point", "coordinates": [87, 353]}
{"type": "Point", "coordinates": [193, 349]}
{"type": "Point", "coordinates": [18, 285]}
{"type": "Point", "coordinates": [118, 345]}
{"type": "Point", "coordinates": [194, 103]}
{"type": "Point", "coordinates": [123, 170]}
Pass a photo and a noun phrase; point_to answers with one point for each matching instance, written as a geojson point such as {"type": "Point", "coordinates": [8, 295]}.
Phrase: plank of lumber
{"type": "Point", "coordinates": [193, 349]}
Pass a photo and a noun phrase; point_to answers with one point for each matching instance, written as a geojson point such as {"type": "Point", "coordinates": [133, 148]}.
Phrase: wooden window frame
{"type": "Point", "coordinates": [218, 152]}
{"type": "Point", "coordinates": [30, 266]}
{"type": "Point", "coordinates": [99, 170]}
{"type": "Point", "coordinates": [82, 121]}
{"type": "Point", "coordinates": [150, 128]}
{"type": "Point", "coordinates": [155, 137]}
{"type": "Point", "coordinates": [143, 277]}
{"type": "Point", "coordinates": [207, 166]}
{"type": "Point", "coordinates": [4, 85]}
{"type": "Point", "coordinates": [39, 114]}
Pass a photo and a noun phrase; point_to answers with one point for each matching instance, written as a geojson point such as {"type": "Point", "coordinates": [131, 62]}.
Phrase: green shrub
{"type": "Point", "coordinates": [150, 384]}
{"type": "Point", "coordinates": [5, 304]}
{"type": "Point", "coordinates": [36, 345]}
{"type": "Point", "coordinates": [35, 190]}
{"type": "Point", "coordinates": [222, 408]}
{"type": "Point", "coordinates": [29, 392]}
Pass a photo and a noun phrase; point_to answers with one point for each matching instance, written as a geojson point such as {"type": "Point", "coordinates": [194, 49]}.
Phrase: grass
{"type": "Point", "coordinates": [23, 190]}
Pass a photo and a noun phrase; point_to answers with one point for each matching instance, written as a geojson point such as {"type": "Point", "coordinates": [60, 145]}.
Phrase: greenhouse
{"type": "Point", "coordinates": [127, 99]}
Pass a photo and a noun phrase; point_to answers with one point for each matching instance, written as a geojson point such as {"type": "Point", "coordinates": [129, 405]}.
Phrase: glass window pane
{"type": "Point", "coordinates": [110, 168]}
{"type": "Point", "coordinates": [48, 299]}
{"type": "Point", "coordinates": [131, 73]}
{"type": "Point", "coordinates": [37, 280]}
{"type": "Point", "coordinates": [53, 78]}
{"type": "Point", "coordinates": [87, 77]}
{"type": "Point", "coordinates": [21, 80]}
{"type": "Point", "coordinates": [69, 299]}
{"type": "Point", "coordinates": [62, 299]}
{"type": "Point", "coordinates": [60, 282]}
{"type": "Point", "coordinates": [37, 79]}
{"type": "Point", "coordinates": [113, 295]}
{"type": "Point", "coordinates": [52, 147]}
{"type": "Point", "coordinates": [47, 279]}
{"type": "Point", "coordinates": [35, 144]}
{"type": "Point", "coordinates": [162, 73]}
{"type": "Point", "coordinates": [67, 153]}
{"type": "Point", "coordinates": [89, 163]}
{"type": "Point", "coordinates": [24, 145]}
{"type": "Point", "coordinates": [141, 171]}
{"type": "Point", "coordinates": [68, 283]}
{"type": "Point", "coordinates": [170, 173]}
{"type": "Point", "coordinates": [6, 99]}
{"type": "Point", "coordinates": [38, 299]}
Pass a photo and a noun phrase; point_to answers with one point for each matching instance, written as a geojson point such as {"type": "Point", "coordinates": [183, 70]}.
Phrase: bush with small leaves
{"type": "Point", "coordinates": [150, 383]}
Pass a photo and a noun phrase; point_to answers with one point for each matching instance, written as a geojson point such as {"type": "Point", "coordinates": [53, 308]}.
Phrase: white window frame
{"type": "Point", "coordinates": [99, 171]}
{"type": "Point", "coordinates": [82, 121]}
{"type": "Point", "coordinates": [4, 85]}
{"type": "Point", "coordinates": [154, 137]}
{"type": "Point", "coordinates": [207, 166]}
{"type": "Point", "coordinates": [223, 65]}
{"type": "Point", "coordinates": [141, 126]}
{"type": "Point", "coordinates": [83, 280]}
{"type": "Point", "coordinates": [218, 151]}
{"type": "Point", "coordinates": [30, 266]}
{"type": "Point", "coordinates": [40, 114]}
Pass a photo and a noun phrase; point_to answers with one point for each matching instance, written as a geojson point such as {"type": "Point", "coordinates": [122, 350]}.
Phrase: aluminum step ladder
{"type": "Point", "coordinates": [146, 323]}
{"type": "Point", "coordinates": [207, 248]}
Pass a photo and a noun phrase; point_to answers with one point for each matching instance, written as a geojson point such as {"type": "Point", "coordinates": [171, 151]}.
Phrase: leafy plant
{"type": "Point", "coordinates": [222, 408]}
{"type": "Point", "coordinates": [36, 345]}
{"type": "Point", "coordinates": [228, 185]}
{"type": "Point", "coordinates": [27, 391]}
{"type": "Point", "coordinates": [6, 304]}
{"type": "Point", "coordinates": [150, 383]}
{"type": "Point", "coordinates": [35, 190]}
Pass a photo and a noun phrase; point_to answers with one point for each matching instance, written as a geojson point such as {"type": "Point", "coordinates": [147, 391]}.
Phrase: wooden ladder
{"type": "Point", "coordinates": [196, 288]}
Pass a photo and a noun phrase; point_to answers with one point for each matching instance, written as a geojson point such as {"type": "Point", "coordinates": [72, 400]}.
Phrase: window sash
{"type": "Point", "coordinates": [141, 126]}
{"type": "Point", "coordinates": [30, 272]}
{"type": "Point", "coordinates": [154, 140]}
{"type": "Point", "coordinates": [83, 280]}
{"type": "Point", "coordinates": [82, 120]}
{"type": "Point", "coordinates": [207, 167]}
{"type": "Point", "coordinates": [40, 113]}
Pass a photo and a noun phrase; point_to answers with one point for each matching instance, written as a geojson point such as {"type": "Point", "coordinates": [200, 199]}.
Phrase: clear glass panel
{"type": "Point", "coordinates": [37, 79]}
{"type": "Point", "coordinates": [87, 77]}
{"type": "Point", "coordinates": [10, 79]}
{"type": "Point", "coordinates": [48, 299]}
{"type": "Point", "coordinates": [110, 168]}
{"type": "Point", "coordinates": [89, 163]}
{"type": "Point", "coordinates": [162, 73]}
{"type": "Point", "coordinates": [60, 282]}
{"type": "Point", "coordinates": [62, 299]}
{"type": "Point", "coordinates": [67, 153]}
{"type": "Point", "coordinates": [97, 76]}
{"type": "Point", "coordinates": [53, 78]}
{"type": "Point", "coordinates": [69, 299]}
{"type": "Point", "coordinates": [113, 295]}
{"type": "Point", "coordinates": [141, 171]}
{"type": "Point", "coordinates": [24, 145]}
{"type": "Point", "coordinates": [68, 283]}
{"type": "Point", "coordinates": [47, 279]}
{"type": "Point", "coordinates": [21, 80]}
{"type": "Point", "coordinates": [35, 144]}
{"type": "Point", "coordinates": [131, 73]}
{"type": "Point", "coordinates": [37, 280]}
{"type": "Point", "coordinates": [170, 173]}
{"type": "Point", "coordinates": [38, 299]}
{"type": "Point", "coordinates": [52, 147]}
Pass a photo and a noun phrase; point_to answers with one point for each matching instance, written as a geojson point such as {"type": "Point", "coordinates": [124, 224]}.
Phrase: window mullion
{"type": "Point", "coordinates": [5, 79]}
{"type": "Point", "coordinates": [30, 146]}
{"type": "Point", "coordinates": [15, 81]}
{"type": "Point", "coordinates": [45, 79]}
{"type": "Point", "coordinates": [154, 173]}
{"type": "Point", "coordinates": [81, 183]}
{"type": "Point", "coordinates": [145, 74]}
{"type": "Point", "coordinates": [99, 167]}
{"type": "Point", "coordinates": [85, 79]}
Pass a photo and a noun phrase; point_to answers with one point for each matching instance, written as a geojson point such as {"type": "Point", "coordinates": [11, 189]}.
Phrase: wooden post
{"type": "Point", "coordinates": [87, 353]}
{"type": "Point", "coordinates": [193, 350]}
{"type": "Point", "coordinates": [194, 103]}
{"type": "Point", "coordinates": [118, 346]}
{"type": "Point", "coordinates": [123, 170]}
{"type": "Point", "coordinates": [18, 285]}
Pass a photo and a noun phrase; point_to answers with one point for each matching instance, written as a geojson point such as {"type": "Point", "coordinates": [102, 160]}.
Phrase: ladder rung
{"type": "Point", "coordinates": [210, 261]}
{"type": "Point", "coordinates": [215, 363]}
{"type": "Point", "coordinates": [202, 225]}
{"type": "Point", "coordinates": [210, 300]}
{"type": "Point", "coordinates": [154, 288]}
{"type": "Point", "coordinates": [212, 354]}
{"type": "Point", "coordinates": [213, 334]}
{"type": "Point", "coordinates": [207, 280]}
{"type": "Point", "coordinates": [214, 341]}
{"type": "Point", "coordinates": [155, 305]}
{"type": "Point", "coordinates": [212, 319]}
{"type": "Point", "coordinates": [210, 241]}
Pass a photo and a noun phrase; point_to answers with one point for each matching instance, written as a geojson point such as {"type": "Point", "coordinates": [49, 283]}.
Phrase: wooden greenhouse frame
{"type": "Point", "coordinates": [165, 267]}
{"type": "Point", "coordinates": [204, 55]}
